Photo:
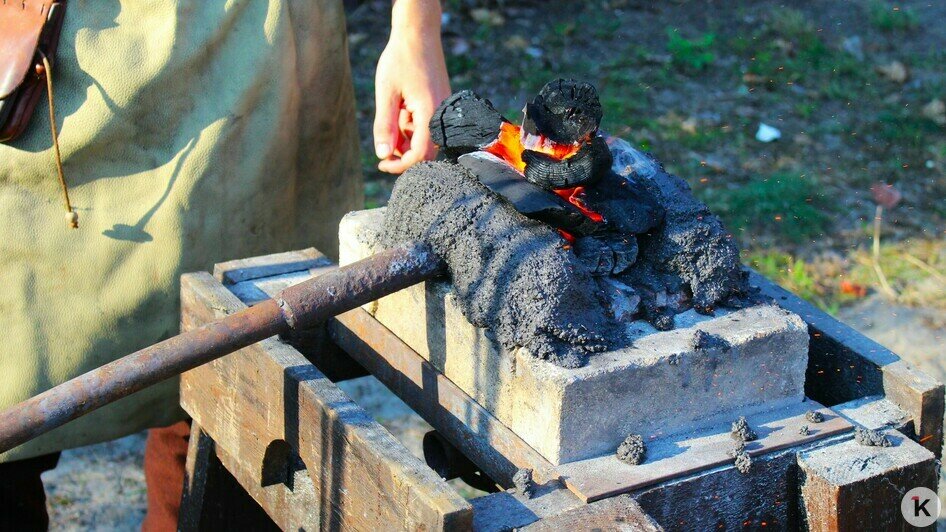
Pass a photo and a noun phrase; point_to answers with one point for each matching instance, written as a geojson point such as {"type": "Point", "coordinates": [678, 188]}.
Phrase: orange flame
{"type": "Point", "coordinates": [510, 144]}
{"type": "Point", "coordinates": [512, 141]}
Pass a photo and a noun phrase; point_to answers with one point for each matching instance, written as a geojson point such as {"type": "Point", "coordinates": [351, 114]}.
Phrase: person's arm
{"type": "Point", "coordinates": [410, 82]}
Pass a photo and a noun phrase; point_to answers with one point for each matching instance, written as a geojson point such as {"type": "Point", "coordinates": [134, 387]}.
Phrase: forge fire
{"type": "Point", "coordinates": [556, 236]}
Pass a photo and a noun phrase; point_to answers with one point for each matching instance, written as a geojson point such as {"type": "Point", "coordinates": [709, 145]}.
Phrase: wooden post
{"type": "Point", "coordinates": [852, 487]}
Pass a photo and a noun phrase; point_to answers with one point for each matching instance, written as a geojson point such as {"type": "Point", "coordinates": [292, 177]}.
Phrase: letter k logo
{"type": "Point", "coordinates": [920, 507]}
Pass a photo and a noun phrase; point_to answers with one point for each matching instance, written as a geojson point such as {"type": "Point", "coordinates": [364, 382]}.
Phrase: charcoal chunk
{"type": "Point", "coordinates": [626, 205]}
{"type": "Point", "coordinates": [465, 122]}
{"type": "Point", "coordinates": [530, 200]}
{"type": "Point", "coordinates": [606, 254]}
{"type": "Point", "coordinates": [564, 111]}
{"type": "Point", "coordinates": [591, 161]}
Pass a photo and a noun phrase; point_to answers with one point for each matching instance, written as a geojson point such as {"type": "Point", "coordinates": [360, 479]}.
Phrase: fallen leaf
{"type": "Point", "coordinates": [752, 79]}
{"type": "Point", "coordinates": [488, 16]}
{"type": "Point", "coordinates": [895, 71]}
{"type": "Point", "coordinates": [935, 111]}
{"type": "Point", "coordinates": [853, 289]}
{"type": "Point", "coordinates": [516, 42]}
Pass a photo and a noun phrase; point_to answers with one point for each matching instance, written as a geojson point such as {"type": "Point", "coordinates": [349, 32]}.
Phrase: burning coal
{"type": "Point", "coordinates": [555, 236]}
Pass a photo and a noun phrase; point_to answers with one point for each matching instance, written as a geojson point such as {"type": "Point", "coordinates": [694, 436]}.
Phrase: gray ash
{"type": "Point", "coordinates": [704, 341]}
{"type": "Point", "coordinates": [743, 462]}
{"type": "Point", "coordinates": [632, 450]}
{"type": "Point", "coordinates": [523, 483]}
{"type": "Point", "coordinates": [512, 275]}
{"type": "Point", "coordinates": [871, 438]}
{"type": "Point", "coordinates": [741, 431]}
{"type": "Point", "coordinates": [691, 249]}
{"type": "Point", "coordinates": [738, 448]}
{"type": "Point", "coordinates": [535, 263]}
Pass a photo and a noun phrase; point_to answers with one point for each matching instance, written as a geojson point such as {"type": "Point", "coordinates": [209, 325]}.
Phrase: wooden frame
{"type": "Point", "coordinates": [313, 459]}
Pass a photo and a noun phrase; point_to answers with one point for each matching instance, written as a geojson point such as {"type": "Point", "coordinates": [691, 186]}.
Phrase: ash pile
{"type": "Point", "coordinates": [556, 236]}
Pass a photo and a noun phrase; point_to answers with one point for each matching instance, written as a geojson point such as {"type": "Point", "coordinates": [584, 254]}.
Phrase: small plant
{"type": "Point", "coordinates": [886, 197]}
{"type": "Point", "coordinates": [886, 17]}
{"type": "Point", "coordinates": [691, 54]}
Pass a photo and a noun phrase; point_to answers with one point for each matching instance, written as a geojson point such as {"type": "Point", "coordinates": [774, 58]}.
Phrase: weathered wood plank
{"type": "Point", "coordinates": [506, 510]}
{"type": "Point", "coordinates": [313, 343]}
{"type": "Point", "coordinates": [469, 427]}
{"type": "Point", "coordinates": [363, 478]}
{"type": "Point", "coordinates": [199, 449]}
{"type": "Point", "coordinates": [617, 513]}
{"type": "Point", "coordinates": [682, 455]}
{"type": "Point", "coordinates": [845, 365]}
{"type": "Point", "coordinates": [725, 499]}
{"type": "Point", "coordinates": [235, 271]}
{"type": "Point", "coordinates": [850, 487]}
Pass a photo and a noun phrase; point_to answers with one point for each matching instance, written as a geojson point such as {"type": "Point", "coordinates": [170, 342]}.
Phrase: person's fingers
{"type": "Point", "coordinates": [404, 121]}
{"type": "Point", "coordinates": [421, 145]}
{"type": "Point", "coordinates": [393, 165]}
{"type": "Point", "coordinates": [386, 116]}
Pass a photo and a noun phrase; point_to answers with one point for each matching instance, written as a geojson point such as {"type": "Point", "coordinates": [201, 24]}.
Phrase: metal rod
{"type": "Point", "coordinates": [298, 307]}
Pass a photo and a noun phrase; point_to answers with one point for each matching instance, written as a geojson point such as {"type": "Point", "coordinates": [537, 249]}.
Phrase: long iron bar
{"type": "Point", "coordinates": [300, 306]}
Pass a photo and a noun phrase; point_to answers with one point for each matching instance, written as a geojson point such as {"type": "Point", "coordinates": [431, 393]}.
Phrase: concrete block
{"type": "Point", "coordinates": [658, 386]}
{"type": "Point", "coordinates": [849, 486]}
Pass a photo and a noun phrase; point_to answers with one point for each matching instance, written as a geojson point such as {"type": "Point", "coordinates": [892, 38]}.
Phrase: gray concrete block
{"type": "Point", "coordinates": [658, 386]}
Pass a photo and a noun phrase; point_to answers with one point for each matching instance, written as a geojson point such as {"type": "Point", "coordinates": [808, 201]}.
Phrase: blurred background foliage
{"type": "Point", "coordinates": [853, 89]}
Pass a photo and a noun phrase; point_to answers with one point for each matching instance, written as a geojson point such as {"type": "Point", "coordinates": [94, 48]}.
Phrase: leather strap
{"type": "Point", "coordinates": [27, 27]}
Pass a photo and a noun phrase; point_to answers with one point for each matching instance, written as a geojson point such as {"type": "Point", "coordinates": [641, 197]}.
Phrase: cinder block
{"type": "Point", "coordinates": [658, 386]}
{"type": "Point", "coordinates": [852, 487]}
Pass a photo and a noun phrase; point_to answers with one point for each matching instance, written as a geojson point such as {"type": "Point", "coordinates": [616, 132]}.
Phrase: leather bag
{"type": "Point", "coordinates": [29, 31]}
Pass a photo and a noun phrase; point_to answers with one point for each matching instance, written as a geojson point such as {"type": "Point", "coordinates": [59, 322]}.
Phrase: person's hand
{"type": "Point", "coordinates": [410, 82]}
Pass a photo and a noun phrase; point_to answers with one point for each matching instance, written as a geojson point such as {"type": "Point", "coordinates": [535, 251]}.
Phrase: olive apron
{"type": "Point", "coordinates": [192, 132]}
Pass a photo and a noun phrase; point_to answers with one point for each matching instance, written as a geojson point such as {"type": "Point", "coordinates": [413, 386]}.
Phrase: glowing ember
{"type": "Point", "coordinates": [512, 141]}
{"type": "Point", "coordinates": [573, 196]}
{"type": "Point", "coordinates": [510, 144]}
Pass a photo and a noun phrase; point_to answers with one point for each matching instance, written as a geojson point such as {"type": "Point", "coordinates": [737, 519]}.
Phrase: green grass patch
{"type": "Point", "coordinates": [784, 204]}
{"type": "Point", "coordinates": [788, 49]}
{"type": "Point", "coordinates": [905, 129]}
{"type": "Point", "coordinates": [691, 55]}
{"type": "Point", "coordinates": [793, 275]}
{"type": "Point", "coordinates": [890, 18]}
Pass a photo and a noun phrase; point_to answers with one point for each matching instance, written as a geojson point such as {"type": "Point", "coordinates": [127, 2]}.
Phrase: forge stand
{"type": "Point", "coordinates": [272, 428]}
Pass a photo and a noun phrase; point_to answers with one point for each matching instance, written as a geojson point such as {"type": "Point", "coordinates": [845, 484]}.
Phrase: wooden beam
{"type": "Point", "coordinates": [844, 365]}
{"type": "Point", "coordinates": [853, 487]}
{"type": "Point", "coordinates": [617, 513]}
{"type": "Point", "coordinates": [258, 278]}
{"type": "Point", "coordinates": [507, 510]}
{"type": "Point", "coordinates": [361, 477]}
{"type": "Point", "coordinates": [469, 427]}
